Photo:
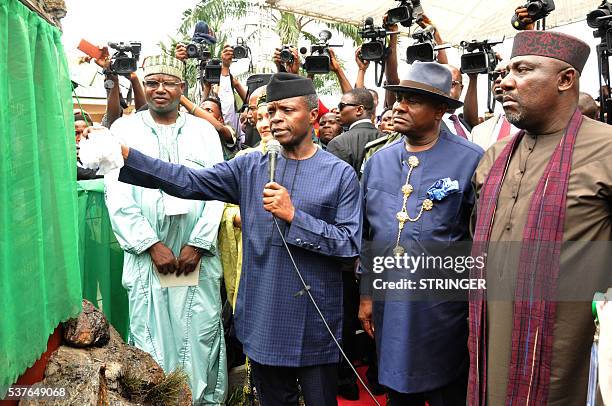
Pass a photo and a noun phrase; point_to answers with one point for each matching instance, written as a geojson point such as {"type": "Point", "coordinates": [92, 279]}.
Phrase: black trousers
{"type": "Point", "coordinates": [355, 347]}
{"type": "Point", "coordinates": [278, 386]}
{"type": "Point", "coordinates": [453, 394]}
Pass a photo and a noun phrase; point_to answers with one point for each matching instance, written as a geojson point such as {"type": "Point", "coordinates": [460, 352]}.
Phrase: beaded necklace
{"type": "Point", "coordinates": [402, 216]}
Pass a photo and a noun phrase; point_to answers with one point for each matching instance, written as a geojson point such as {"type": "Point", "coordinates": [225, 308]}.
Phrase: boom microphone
{"type": "Point", "coordinates": [274, 148]}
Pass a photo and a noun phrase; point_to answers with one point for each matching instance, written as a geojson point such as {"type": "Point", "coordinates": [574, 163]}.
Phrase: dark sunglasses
{"type": "Point", "coordinates": [497, 74]}
{"type": "Point", "coordinates": [342, 105]}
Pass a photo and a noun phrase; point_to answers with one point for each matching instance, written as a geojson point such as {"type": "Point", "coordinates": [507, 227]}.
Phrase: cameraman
{"type": "Point", "coordinates": [227, 85]}
{"type": "Point", "coordinates": [114, 102]}
{"type": "Point", "coordinates": [334, 66]}
{"type": "Point", "coordinates": [456, 124]}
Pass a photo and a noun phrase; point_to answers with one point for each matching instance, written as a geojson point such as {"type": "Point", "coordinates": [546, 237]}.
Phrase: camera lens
{"type": "Point", "coordinates": [594, 15]}
{"type": "Point", "coordinates": [534, 8]}
{"type": "Point", "coordinates": [286, 56]}
{"type": "Point", "coordinates": [240, 52]}
{"type": "Point", "coordinates": [192, 51]}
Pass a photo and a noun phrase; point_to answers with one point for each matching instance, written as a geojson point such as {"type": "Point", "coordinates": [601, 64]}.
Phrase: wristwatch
{"type": "Point", "coordinates": [109, 84]}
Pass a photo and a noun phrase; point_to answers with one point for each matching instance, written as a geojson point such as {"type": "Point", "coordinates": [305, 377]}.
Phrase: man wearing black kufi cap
{"type": "Point", "coordinates": [548, 189]}
{"type": "Point", "coordinates": [316, 201]}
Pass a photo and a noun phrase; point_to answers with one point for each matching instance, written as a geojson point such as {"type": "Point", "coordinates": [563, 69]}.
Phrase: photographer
{"type": "Point", "coordinates": [227, 85]}
{"type": "Point", "coordinates": [114, 102]}
{"type": "Point", "coordinates": [294, 67]}
{"type": "Point", "coordinates": [457, 124]}
{"type": "Point", "coordinates": [211, 112]}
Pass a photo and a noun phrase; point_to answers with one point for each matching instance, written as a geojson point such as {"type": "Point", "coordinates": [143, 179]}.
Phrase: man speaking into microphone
{"type": "Point", "coordinates": [316, 201]}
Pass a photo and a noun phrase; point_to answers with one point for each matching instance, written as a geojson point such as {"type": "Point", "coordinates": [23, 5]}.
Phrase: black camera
{"type": "Point", "coordinates": [286, 55]}
{"type": "Point", "coordinates": [424, 49]}
{"type": "Point", "coordinates": [601, 20]}
{"type": "Point", "coordinates": [200, 51]}
{"type": "Point", "coordinates": [376, 48]}
{"type": "Point", "coordinates": [537, 9]}
{"type": "Point", "coordinates": [595, 19]}
{"type": "Point", "coordinates": [121, 62]}
{"type": "Point", "coordinates": [318, 61]}
{"type": "Point", "coordinates": [212, 71]}
{"type": "Point", "coordinates": [408, 12]}
{"type": "Point", "coordinates": [241, 50]}
{"type": "Point", "coordinates": [479, 56]}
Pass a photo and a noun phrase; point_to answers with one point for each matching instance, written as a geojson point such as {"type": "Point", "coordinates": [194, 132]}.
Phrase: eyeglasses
{"type": "Point", "coordinates": [342, 105]}
{"type": "Point", "coordinates": [457, 83]}
{"type": "Point", "coordinates": [154, 84]}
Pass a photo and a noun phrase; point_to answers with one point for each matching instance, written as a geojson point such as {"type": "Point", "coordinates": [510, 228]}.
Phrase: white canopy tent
{"type": "Point", "coordinates": [462, 20]}
{"type": "Point", "coordinates": [458, 21]}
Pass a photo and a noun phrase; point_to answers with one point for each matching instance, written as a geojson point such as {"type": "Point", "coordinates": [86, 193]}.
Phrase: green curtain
{"type": "Point", "coordinates": [40, 282]}
{"type": "Point", "coordinates": [100, 257]}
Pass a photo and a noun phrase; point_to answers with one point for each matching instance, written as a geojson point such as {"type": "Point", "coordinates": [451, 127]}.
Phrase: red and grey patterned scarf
{"type": "Point", "coordinates": [534, 315]}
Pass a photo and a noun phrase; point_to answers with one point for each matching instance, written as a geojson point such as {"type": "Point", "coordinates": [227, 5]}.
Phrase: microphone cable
{"type": "Point", "coordinates": [307, 290]}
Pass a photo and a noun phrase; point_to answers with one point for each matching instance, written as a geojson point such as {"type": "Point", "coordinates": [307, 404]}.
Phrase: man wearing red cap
{"type": "Point", "coordinates": [531, 331]}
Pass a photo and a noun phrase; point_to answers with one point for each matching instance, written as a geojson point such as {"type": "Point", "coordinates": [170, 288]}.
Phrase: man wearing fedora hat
{"type": "Point", "coordinates": [418, 190]}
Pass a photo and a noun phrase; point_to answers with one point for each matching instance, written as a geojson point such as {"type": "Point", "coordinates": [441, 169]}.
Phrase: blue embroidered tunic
{"type": "Point", "coordinates": [422, 344]}
{"type": "Point", "coordinates": [276, 326]}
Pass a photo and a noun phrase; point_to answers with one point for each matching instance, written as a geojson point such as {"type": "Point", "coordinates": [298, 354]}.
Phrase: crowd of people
{"type": "Point", "coordinates": [196, 196]}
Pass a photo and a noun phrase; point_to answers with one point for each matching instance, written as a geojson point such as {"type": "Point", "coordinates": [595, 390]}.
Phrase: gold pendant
{"type": "Point", "coordinates": [413, 161]}
{"type": "Point", "coordinates": [402, 216]}
{"type": "Point", "coordinates": [398, 251]}
{"type": "Point", "coordinates": [407, 190]}
{"type": "Point", "coordinates": [427, 204]}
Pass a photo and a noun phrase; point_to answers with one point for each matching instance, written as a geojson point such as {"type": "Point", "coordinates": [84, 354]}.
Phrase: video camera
{"type": "Point", "coordinates": [537, 9]}
{"type": "Point", "coordinates": [241, 50]}
{"type": "Point", "coordinates": [601, 20]}
{"type": "Point", "coordinates": [408, 12]}
{"type": "Point", "coordinates": [425, 47]}
{"type": "Point", "coordinates": [318, 61]}
{"type": "Point", "coordinates": [478, 56]}
{"type": "Point", "coordinates": [121, 62]}
{"type": "Point", "coordinates": [210, 68]}
{"type": "Point", "coordinates": [376, 48]}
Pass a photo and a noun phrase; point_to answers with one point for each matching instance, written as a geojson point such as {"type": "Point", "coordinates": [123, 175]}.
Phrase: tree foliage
{"type": "Point", "coordinates": [290, 28]}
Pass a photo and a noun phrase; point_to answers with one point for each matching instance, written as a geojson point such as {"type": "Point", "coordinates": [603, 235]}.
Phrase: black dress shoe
{"type": "Point", "coordinates": [349, 391]}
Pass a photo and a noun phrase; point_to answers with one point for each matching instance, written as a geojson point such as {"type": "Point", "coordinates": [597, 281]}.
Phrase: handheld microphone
{"type": "Point", "coordinates": [274, 148]}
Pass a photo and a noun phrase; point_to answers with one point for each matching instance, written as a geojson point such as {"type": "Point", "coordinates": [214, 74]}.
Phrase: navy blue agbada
{"type": "Point", "coordinates": [276, 326]}
{"type": "Point", "coordinates": [422, 345]}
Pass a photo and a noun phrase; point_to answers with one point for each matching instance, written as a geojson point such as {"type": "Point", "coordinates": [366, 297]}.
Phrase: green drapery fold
{"type": "Point", "coordinates": [40, 283]}
{"type": "Point", "coordinates": [101, 257]}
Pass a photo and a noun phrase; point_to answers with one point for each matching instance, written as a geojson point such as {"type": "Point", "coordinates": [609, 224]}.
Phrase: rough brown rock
{"type": "Point", "coordinates": [90, 329]}
{"type": "Point", "coordinates": [101, 376]}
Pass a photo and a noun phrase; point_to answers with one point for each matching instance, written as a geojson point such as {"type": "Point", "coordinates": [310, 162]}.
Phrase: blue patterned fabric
{"type": "Point", "coordinates": [422, 345]}
{"type": "Point", "coordinates": [442, 188]}
{"type": "Point", "coordinates": [275, 326]}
